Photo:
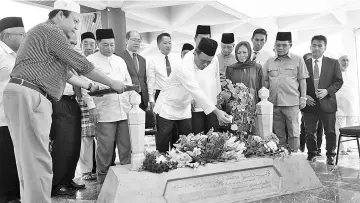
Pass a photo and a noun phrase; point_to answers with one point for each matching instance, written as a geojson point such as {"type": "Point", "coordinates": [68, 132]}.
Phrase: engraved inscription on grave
{"type": "Point", "coordinates": [224, 187]}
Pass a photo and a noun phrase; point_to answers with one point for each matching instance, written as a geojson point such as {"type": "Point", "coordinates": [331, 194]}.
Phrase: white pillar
{"type": "Point", "coordinates": [264, 114]}
{"type": "Point", "coordinates": [136, 122]}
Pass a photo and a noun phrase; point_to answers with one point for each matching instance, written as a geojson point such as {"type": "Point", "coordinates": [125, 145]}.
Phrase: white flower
{"type": "Point", "coordinates": [257, 138]}
{"type": "Point", "coordinates": [234, 127]}
{"type": "Point", "coordinates": [197, 151]}
{"type": "Point", "coordinates": [271, 145]}
{"type": "Point", "coordinates": [160, 159]}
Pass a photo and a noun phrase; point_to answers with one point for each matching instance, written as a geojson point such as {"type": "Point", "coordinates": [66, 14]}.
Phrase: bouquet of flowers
{"type": "Point", "coordinates": [157, 163]}
{"type": "Point", "coordinates": [269, 147]}
{"type": "Point", "coordinates": [238, 101]}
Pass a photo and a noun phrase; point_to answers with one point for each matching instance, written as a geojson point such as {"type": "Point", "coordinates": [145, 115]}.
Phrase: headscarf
{"type": "Point", "coordinates": [248, 46]}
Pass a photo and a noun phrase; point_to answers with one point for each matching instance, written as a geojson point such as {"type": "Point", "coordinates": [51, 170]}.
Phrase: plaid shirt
{"type": "Point", "coordinates": [87, 126]}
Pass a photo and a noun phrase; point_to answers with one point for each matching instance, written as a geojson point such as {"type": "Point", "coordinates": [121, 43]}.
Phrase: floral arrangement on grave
{"type": "Point", "coordinates": [238, 101]}
{"type": "Point", "coordinates": [195, 150]}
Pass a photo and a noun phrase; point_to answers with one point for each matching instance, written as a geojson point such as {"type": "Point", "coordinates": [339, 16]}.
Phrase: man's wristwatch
{"type": "Point", "coordinates": [89, 87]}
{"type": "Point", "coordinates": [305, 98]}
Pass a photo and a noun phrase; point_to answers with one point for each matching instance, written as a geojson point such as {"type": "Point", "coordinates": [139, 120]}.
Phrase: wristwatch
{"type": "Point", "coordinates": [89, 87]}
{"type": "Point", "coordinates": [305, 98]}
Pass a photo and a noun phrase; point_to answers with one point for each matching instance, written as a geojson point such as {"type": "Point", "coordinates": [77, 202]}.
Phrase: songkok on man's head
{"type": "Point", "coordinates": [203, 30]}
{"type": "Point", "coordinates": [187, 46]}
{"type": "Point", "coordinates": [227, 38]}
{"type": "Point", "coordinates": [208, 46]}
{"type": "Point", "coordinates": [104, 34]}
{"type": "Point", "coordinates": [10, 22]}
{"type": "Point", "coordinates": [283, 36]}
{"type": "Point", "coordinates": [87, 35]}
{"type": "Point", "coordinates": [67, 5]}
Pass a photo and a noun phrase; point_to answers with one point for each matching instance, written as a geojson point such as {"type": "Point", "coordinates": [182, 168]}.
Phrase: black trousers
{"type": "Point", "coordinates": [65, 135]}
{"type": "Point", "coordinates": [311, 123]}
{"type": "Point", "coordinates": [174, 132]}
{"type": "Point", "coordinates": [9, 179]}
{"type": "Point", "coordinates": [164, 131]}
{"type": "Point", "coordinates": [203, 123]}
{"type": "Point", "coordinates": [319, 133]}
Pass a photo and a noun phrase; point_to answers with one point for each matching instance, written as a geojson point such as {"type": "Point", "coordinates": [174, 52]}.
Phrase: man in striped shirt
{"type": "Point", "coordinates": [41, 70]}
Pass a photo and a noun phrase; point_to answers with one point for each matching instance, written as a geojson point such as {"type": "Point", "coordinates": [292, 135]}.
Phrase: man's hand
{"type": "Point", "coordinates": [310, 101]}
{"type": "Point", "coordinates": [302, 102]}
{"type": "Point", "coordinates": [193, 104]}
{"type": "Point", "coordinates": [222, 116]}
{"type": "Point", "coordinates": [118, 86]}
{"type": "Point", "coordinates": [94, 88]}
{"type": "Point", "coordinates": [321, 93]}
{"type": "Point", "coordinates": [94, 115]}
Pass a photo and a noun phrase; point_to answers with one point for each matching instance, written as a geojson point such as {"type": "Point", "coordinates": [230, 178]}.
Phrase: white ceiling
{"type": "Point", "coordinates": [241, 17]}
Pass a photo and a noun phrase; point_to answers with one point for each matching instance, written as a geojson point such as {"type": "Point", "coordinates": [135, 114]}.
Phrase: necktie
{"type": "Point", "coordinates": [255, 55]}
{"type": "Point", "coordinates": [316, 75]}
{"type": "Point", "coordinates": [136, 63]}
{"type": "Point", "coordinates": [168, 66]}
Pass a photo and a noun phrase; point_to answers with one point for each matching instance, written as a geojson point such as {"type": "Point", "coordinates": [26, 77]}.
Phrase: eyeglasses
{"type": "Point", "coordinates": [136, 40]}
{"type": "Point", "coordinates": [18, 34]}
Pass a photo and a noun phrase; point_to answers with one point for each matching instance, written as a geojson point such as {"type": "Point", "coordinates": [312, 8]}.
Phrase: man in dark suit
{"type": "Point", "coordinates": [136, 65]}
{"type": "Point", "coordinates": [324, 81]}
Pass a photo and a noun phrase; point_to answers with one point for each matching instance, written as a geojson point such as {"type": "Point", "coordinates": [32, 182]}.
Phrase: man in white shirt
{"type": "Point", "coordinates": [159, 69]}
{"type": "Point", "coordinates": [258, 40]}
{"type": "Point", "coordinates": [112, 125]}
{"type": "Point", "coordinates": [226, 58]}
{"type": "Point", "coordinates": [174, 102]}
{"type": "Point", "coordinates": [11, 34]}
{"type": "Point", "coordinates": [209, 81]}
{"type": "Point", "coordinates": [89, 117]}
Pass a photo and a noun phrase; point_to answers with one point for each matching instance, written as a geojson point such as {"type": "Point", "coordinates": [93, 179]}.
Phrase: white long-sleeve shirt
{"type": "Point", "coordinates": [7, 62]}
{"type": "Point", "coordinates": [344, 98]}
{"type": "Point", "coordinates": [208, 80]}
{"type": "Point", "coordinates": [111, 107]}
{"type": "Point", "coordinates": [174, 101]}
{"type": "Point", "coordinates": [157, 73]}
{"type": "Point", "coordinates": [262, 56]}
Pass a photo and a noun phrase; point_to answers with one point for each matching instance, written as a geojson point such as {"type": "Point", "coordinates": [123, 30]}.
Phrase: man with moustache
{"type": "Point", "coordinates": [285, 77]}
{"type": "Point", "coordinates": [324, 81]}
{"type": "Point", "coordinates": [11, 35]}
{"type": "Point", "coordinates": [89, 116]}
{"type": "Point", "coordinates": [226, 57]}
{"type": "Point", "coordinates": [112, 126]}
{"type": "Point", "coordinates": [41, 70]}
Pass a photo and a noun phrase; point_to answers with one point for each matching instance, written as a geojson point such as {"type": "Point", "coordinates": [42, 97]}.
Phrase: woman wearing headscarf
{"type": "Point", "coordinates": [245, 70]}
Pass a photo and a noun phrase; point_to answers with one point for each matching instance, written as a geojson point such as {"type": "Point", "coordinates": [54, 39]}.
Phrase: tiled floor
{"type": "Point", "coordinates": [340, 184]}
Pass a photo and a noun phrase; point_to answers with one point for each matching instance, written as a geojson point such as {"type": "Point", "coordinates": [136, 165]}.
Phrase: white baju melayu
{"type": "Point", "coordinates": [174, 102]}
{"type": "Point", "coordinates": [346, 113]}
{"type": "Point", "coordinates": [112, 108]}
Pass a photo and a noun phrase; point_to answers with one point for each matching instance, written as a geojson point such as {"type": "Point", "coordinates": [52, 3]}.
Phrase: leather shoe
{"type": "Point", "coordinates": [311, 158]}
{"type": "Point", "coordinates": [330, 160]}
{"type": "Point", "coordinates": [76, 186]}
{"type": "Point", "coordinates": [318, 153]}
{"type": "Point", "coordinates": [63, 191]}
{"type": "Point", "coordinates": [302, 148]}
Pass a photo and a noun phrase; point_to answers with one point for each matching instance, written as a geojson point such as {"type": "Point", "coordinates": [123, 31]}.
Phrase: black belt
{"type": "Point", "coordinates": [27, 84]}
{"type": "Point", "coordinates": [72, 97]}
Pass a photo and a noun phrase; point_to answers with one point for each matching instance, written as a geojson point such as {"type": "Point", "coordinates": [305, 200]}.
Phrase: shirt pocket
{"type": "Point", "coordinates": [290, 71]}
{"type": "Point", "coordinates": [273, 72]}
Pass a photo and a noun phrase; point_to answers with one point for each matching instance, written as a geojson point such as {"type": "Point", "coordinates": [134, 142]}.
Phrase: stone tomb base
{"type": "Point", "coordinates": [244, 181]}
